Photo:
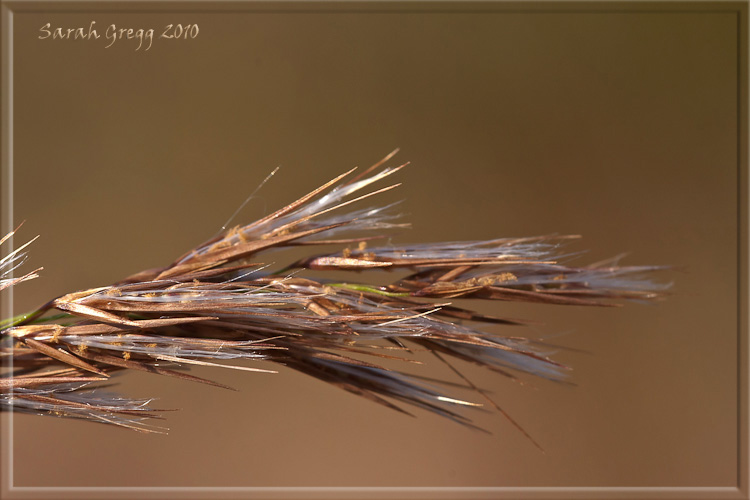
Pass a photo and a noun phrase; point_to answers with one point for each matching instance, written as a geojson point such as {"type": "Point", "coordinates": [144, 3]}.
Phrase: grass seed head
{"type": "Point", "coordinates": [212, 307]}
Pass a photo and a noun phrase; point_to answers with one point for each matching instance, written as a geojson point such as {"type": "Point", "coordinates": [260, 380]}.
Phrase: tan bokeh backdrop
{"type": "Point", "coordinates": [618, 126]}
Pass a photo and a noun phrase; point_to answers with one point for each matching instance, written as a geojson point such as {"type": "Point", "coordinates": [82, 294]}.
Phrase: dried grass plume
{"type": "Point", "coordinates": [221, 302]}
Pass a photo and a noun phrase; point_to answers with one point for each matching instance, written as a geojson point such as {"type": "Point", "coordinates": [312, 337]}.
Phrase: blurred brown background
{"type": "Point", "coordinates": [620, 126]}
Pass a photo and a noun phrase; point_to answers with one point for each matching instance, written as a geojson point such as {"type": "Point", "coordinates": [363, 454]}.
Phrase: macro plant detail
{"type": "Point", "coordinates": [222, 302]}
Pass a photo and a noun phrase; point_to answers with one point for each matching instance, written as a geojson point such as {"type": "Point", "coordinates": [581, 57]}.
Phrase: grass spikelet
{"type": "Point", "coordinates": [219, 303]}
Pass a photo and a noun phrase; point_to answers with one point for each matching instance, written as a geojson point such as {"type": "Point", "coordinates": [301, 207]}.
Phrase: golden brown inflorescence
{"type": "Point", "coordinates": [219, 303]}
